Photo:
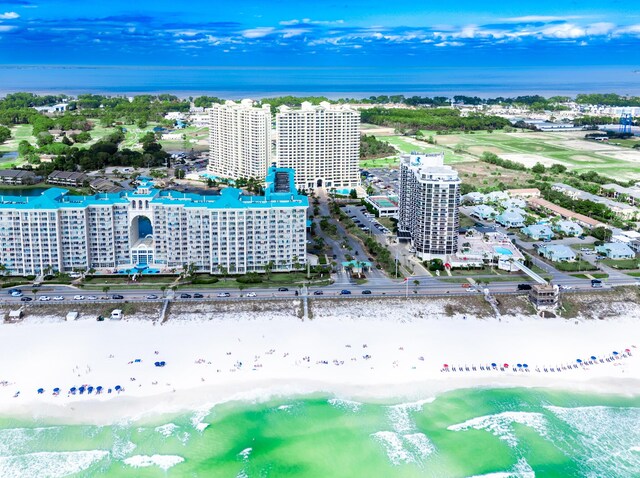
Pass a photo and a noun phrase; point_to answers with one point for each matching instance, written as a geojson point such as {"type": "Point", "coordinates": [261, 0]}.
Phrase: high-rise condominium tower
{"type": "Point", "coordinates": [239, 140]}
{"type": "Point", "coordinates": [322, 144]}
{"type": "Point", "coordinates": [428, 204]}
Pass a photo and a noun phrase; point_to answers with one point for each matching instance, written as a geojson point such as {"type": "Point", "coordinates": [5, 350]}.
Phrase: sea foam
{"type": "Point", "coordinates": [501, 425]}
{"type": "Point", "coordinates": [343, 404]}
{"type": "Point", "coordinates": [521, 469]}
{"type": "Point", "coordinates": [49, 464]}
{"type": "Point", "coordinates": [163, 462]}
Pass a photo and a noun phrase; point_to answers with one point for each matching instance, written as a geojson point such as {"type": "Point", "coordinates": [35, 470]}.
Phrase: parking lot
{"type": "Point", "coordinates": [384, 181]}
{"type": "Point", "coordinates": [364, 220]}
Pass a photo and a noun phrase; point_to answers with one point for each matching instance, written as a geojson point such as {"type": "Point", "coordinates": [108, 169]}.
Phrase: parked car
{"type": "Point", "coordinates": [198, 296]}
{"type": "Point", "coordinates": [92, 297]}
{"type": "Point", "coordinates": [185, 296]}
{"type": "Point", "coordinates": [26, 299]}
{"type": "Point", "coordinates": [58, 297]}
{"type": "Point", "coordinates": [366, 292]}
{"type": "Point", "coordinates": [117, 296]}
{"type": "Point", "coordinates": [151, 297]}
{"type": "Point", "coordinates": [524, 286]}
{"type": "Point", "coordinates": [78, 297]}
{"type": "Point", "coordinates": [44, 298]}
{"type": "Point", "coordinates": [224, 294]}
{"type": "Point", "coordinates": [318, 292]}
{"type": "Point", "coordinates": [283, 289]}
{"type": "Point", "coordinates": [345, 292]}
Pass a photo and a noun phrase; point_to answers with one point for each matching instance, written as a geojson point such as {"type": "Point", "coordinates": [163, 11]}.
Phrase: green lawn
{"type": "Point", "coordinates": [574, 266]}
{"type": "Point", "coordinates": [408, 145]}
{"type": "Point", "coordinates": [621, 263]}
{"type": "Point", "coordinates": [390, 162]}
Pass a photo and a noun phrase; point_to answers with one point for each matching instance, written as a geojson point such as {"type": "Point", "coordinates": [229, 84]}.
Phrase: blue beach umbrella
{"type": "Point", "coordinates": [118, 387]}
{"type": "Point", "coordinates": [99, 388]}
{"type": "Point", "coordinates": [56, 390]}
{"type": "Point", "coordinates": [157, 364]}
{"type": "Point", "coordinates": [579, 361]}
{"type": "Point", "coordinates": [493, 364]}
{"type": "Point", "coordinates": [81, 390]}
{"type": "Point", "coordinates": [162, 364]}
{"type": "Point", "coordinates": [90, 389]}
{"type": "Point", "coordinates": [593, 357]}
{"type": "Point", "coordinates": [615, 353]}
{"type": "Point", "coordinates": [73, 389]}
{"type": "Point", "coordinates": [519, 365]}
{"type": "Point", "coordinates": [41, 390]}
{"type": "Point", "coordinates": [525, 365]}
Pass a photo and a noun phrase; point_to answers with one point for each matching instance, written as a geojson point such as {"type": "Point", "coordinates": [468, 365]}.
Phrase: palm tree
{"type": "Point", "coordinates": [268, 268]}
{"type": "Point", "coordinates": [3, 269]}
{"type": "Point", "coordinates": [223, 270]}
{"type": "Point", "coordinates": [35, 292]}
{"type": "Point", "coordinates": [163, 289]}
{"type": "Point", "coordinates": [416, 283]}
{"type": "Point", "coordinates": [106, 289]}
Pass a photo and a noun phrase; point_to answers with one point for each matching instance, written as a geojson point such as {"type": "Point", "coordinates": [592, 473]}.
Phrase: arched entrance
{"type": "Point", "coordinates": [141, 237]}
{"type": "Point", "coordinates": [319, 183]}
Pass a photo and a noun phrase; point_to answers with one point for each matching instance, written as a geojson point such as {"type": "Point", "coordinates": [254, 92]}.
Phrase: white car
{"type": "Point", "coordinates": [252, 294]}
{"type": "Point", "coordinates": [78, 297]}
{"type": "Point", "coordinates": [44, 298]}
{"type": "Point", "coordinates": [58, 297]}
{"type": "Point", "coordinates": [92, 297]}
{"type": "Point", "coordinates": [16, 294]}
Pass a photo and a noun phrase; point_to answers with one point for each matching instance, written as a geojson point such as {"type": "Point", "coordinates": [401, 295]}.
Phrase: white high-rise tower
{"type": "Point", "coordinates": [239, 140]}
{"type": "Point", "coordinates": [322, 144]}
{"type": "Point", "coordinates": [428, 204]}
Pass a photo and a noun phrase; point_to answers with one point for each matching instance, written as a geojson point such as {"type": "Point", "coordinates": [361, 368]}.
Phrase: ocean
{"type": "Point", "coordinates": [333, 82]}
{"type": "Point", "coordinates": [496, 433]}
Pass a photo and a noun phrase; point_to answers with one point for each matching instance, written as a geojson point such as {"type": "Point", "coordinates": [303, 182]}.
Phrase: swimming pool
{"type": "Point", "coordinates": [502, 251]}
{"type": "Point", "coordinates": [137, 271]}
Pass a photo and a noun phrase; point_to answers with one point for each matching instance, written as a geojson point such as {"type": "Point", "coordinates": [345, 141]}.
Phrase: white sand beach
{"type": "Point", "coordinates": [375, 354]}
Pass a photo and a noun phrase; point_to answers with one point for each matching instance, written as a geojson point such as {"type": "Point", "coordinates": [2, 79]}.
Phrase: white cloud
{"type": "Point", "coordinates": [258, 32]}
{"type": "Point", "coordinates": [9, 16]}
{"type": "Point", "coordinates": [293, 32]}
{"type": "Point", "coordinates": [289, 22]}
{"type": "Point", "coordinates": [540, 18]}
{"type": "Point", "coordinates": [601, 28]}
{"type": "Point", "coordinates": [6, 28]}
{"type": "Point", "coordinates": [563, 31]}
{"type": "Point", "coordinates": [449, 43]}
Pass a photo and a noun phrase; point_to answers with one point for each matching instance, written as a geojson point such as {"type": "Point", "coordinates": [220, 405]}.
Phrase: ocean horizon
{"type": "Point", "coordinates": [333, 82]}
{"type": "Point", "coordinates": [509, 432]}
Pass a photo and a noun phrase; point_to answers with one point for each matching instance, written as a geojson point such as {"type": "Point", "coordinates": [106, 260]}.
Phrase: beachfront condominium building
{"type": "Point", "coordinates": [239, 140]}
{"type": "Point", "coordinates": [428, 204]}
{"type": "Point", "coordinates": [321, 143]}
{"type": "Point", "coordinates": [156, 230]}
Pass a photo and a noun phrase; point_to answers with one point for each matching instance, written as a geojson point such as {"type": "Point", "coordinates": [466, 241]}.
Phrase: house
{"type": "Point", "coordinates": [544, 297]}
{"type": "Point", "coordinates": [625, 211]}
{"type": "Point", "coordinates": [513, 203]}
{"type": "Point", "coordinates": [557, 253]}
{"type": "Point", "coordinates": [18, 176]}
{"type": "Point", "coordinates": [497, 196]}
{"type": "Point", "coordinates": [538, 232]}
{"type": "Point", "coordinates": [68, 178]}
{"type": "Point", "coordinates": [473, 198]}
{"type": "Point", "coordinates": [104, 186]}
{"type": "Point", "coordinates": [510, 218]}
{"type": "Point", "coordinates": [568, 228]}
{"type": "Point", "coordinates": [484, 212]}
{"type": "Point", "coordinates": [524, 193]}
{"type": "Point", "coordinates": [616, 250]}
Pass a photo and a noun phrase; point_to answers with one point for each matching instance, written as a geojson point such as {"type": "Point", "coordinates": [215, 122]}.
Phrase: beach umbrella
{"type": "Point", "coordinates": [579, 361]}
{"type": "Point", "coordinates": [41, 390]}
{"type": "Point", "coordinates": [118, 387]}
{"type": "Point", "coordinates": [446, 365]}
{"type": "Point", "coordinates": [99, 388]}
{"type": "Point", "coordinates": [157, 364]}
{"type": "Point", "coordinates": [493, 365]}
{"type": "Point", "coordinates": [615, 353]}
{"type": "Point", "coordinates": [56, 390]}
{"type": "Point", "coordinates": [593, 357]}
{"type": "Point", "coordinates": [627, 350]}
{"type": "Point", "coordinates": [162, 364]}
{"type": "Point", "coordinates": [81, 390]}
{"type": "Point", "coordinates": [519, 365]}
{"type": "Point", "coordinates": [89, 389]}
{"type": "Point", "coordinates": [73, 389]}
{"type": "Point", "coordinates": [506, 365]}
{"type": "Point", "coordinates": [525, 365]}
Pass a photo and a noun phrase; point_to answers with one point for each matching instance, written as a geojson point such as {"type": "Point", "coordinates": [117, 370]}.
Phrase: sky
{"type": "Point", "coordinates": [311, 33]}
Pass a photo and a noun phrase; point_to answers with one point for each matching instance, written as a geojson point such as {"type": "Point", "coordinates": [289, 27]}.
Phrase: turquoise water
{"type": "Point", "coordinates": [502, 250]}
{"type": "Point", "coordinates": [517, 432]}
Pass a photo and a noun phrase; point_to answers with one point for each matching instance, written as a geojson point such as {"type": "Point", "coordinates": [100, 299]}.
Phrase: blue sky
{"type": "Point", "coordinates": [319, 33]}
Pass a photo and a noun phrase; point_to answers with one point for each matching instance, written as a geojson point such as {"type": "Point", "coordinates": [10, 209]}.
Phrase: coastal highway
{"type": "Point", "coordinates": [429, 286]}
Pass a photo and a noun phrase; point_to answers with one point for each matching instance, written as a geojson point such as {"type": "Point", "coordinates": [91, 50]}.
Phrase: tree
{"type": "Point", "coordinates": [179, 173]}
{"type": "Point", "coordinates": [538, 168]}
{"type": "Point", "coordinates": [353, 194]}
{"type": "Point", "coordinates": [416, 283]}
{"type": "Point", "coordinates": [163, 289]}
{"type": "Point", "coordinates": [35, 291]}
{"type": "Point", "coordinates": [5, 134]}
{"type": "Point", "coordinates": [106, 289]}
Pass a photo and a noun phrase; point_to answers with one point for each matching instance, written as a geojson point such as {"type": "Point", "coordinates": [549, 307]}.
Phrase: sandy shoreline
{"type": "Point", "coordinates": [374, 355]}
